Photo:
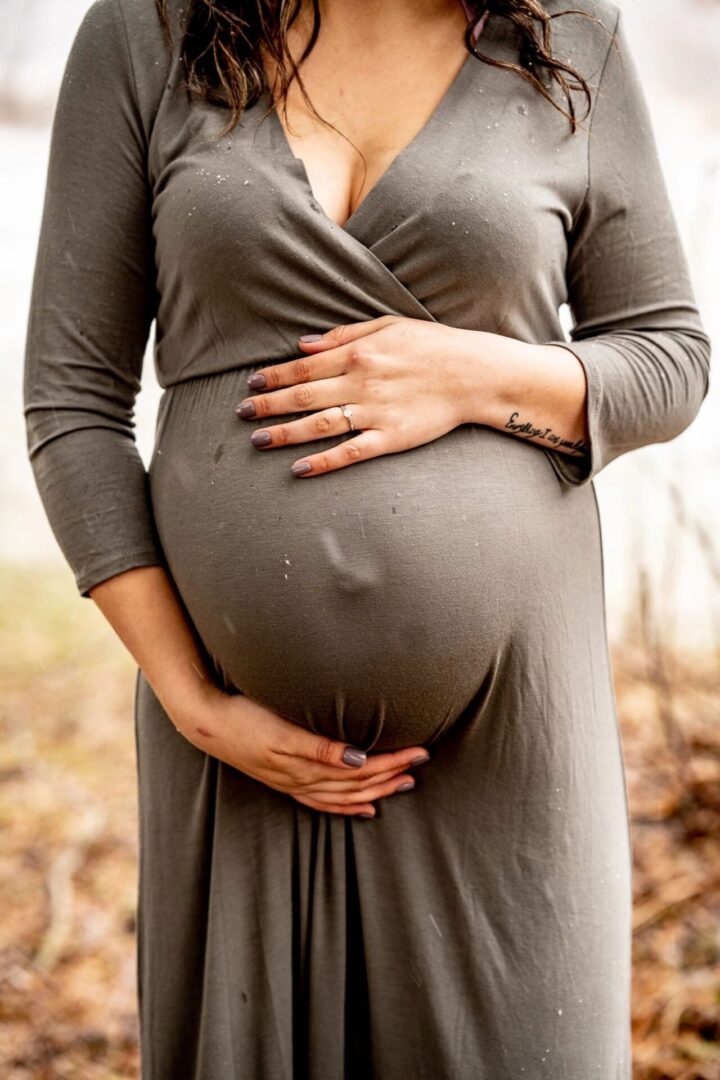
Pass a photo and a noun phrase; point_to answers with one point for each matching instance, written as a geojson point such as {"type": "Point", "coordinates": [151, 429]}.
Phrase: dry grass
{"type": "Point", "coordinates": [68, 808]}
{"type": "Point", "coordinates": [68, 804]}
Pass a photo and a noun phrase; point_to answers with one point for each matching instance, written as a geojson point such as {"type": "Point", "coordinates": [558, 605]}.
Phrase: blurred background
{"type": "Point", "coordinates": [67, 765]}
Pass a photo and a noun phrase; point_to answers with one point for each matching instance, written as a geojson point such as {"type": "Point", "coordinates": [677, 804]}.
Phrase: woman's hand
{"type": "Point", "coordinates": [409, 381]}
{"type": "Point", "coordinates": [310, 768]}
{"type": "Point", "coordinates": [397, 375]}
{"type": "Point", "coordinates": [143, 608]}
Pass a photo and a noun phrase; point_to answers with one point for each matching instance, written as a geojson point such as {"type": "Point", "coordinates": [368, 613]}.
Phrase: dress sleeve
{"type": "Point", "coordinates": [637, 331]}
{"type": "Point", "coordinates": [92, 304]}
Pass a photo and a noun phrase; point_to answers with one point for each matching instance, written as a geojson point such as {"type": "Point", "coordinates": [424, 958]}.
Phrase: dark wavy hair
{"type": "Point", "coordinates": [223, 41]}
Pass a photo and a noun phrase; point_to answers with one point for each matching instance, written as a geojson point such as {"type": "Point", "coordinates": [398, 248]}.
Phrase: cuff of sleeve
{"type": "Point", "coordinates": [581, 470]}
{"type": "Point", "coordinates": [87, 578]}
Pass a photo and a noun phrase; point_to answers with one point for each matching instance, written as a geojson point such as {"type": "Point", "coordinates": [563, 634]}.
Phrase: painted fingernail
{"type": "Point", "coordinates": [420, 760]}
{"type": "Point", "coordinates": [261, 438]}
{"type": "Point", "coordinates": [311, 337]}
{"type": "Point", "coordinates": [300, 468]}
{"type": "Point", "coordinates": [247, 410]}
{"type": "Point", "coordinates": [353, 756]}
{"type": "Point", "coordinates": [406, 785]}
{"type": "Point", "coordinates": [363, 814]}
{"type": "Point", "coordinates": [257, 382]}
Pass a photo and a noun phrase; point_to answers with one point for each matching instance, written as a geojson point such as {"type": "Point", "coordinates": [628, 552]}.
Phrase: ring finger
{"type": "Point", "coordinates": [320, 425]}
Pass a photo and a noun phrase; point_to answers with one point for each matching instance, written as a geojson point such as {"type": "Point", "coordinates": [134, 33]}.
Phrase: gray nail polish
{"type": "Point", "coordinates": [420, 760]}
{"type": "Point", "coordinates": [353, 756]}
{"type": "Point", "coordinates": [257, 382]}
{"type": "Point", "coordinates": [301, 468]}
{"type": "Point", "coordinates": [406, 785]}
{"type": "Point", "coordinates": [311, 337]}
{"type": "Point", "coordinates": [261, 438]}
{"type": "Point", "coordinates": [363, 814]}
{"type": "Point", "coordinates": [247, 410]}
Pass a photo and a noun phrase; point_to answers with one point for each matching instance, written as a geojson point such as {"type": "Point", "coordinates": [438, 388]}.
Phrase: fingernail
{"type": "Point", "coordinates": [406, 785]}
{"type": "Point", "coordinates": [256, 382]}
{"type": "Point", "coordinates": [420, 760]}
{"type": "Point", "coordinates": [300, 468]}
{"type": "Point", "coordinates": [247, 410]}
{"type": "Point", "coordinates": [353, 756]}
{"type": "Point", "coordinates": [363, 814]}
{"type": "Point", "coordinates": [261, 438]}
{"type": "Point", "coordinates": [311, 337]}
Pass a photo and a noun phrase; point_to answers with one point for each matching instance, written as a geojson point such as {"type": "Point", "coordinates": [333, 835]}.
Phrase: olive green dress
{"type": "Point", "coordinates": [450, 595]}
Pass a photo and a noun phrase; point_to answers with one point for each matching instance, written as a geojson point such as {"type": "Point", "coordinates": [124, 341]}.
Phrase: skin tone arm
{"type": "Point", "coordinates": [143, 608]}
{"type": "Point", "coordinates": [409, 381]}
{"type": "Point", "coordinates": [537, 392]}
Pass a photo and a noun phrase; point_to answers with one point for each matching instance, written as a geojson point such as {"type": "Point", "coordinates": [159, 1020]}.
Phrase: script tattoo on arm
{"type": "Point", "coordinates": [528, 430]}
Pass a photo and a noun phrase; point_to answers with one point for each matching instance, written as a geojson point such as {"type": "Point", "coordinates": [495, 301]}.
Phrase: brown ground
{"type": "Point", "coordinates": [69, 873]}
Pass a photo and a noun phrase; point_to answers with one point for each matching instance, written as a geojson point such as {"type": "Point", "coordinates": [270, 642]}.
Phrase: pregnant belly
{"type": "Point", "coordinates": [369, 604]}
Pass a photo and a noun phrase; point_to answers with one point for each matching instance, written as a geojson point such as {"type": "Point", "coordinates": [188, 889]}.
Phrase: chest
{"type": "Point", "coordinates": [366, 105]}
{"type": "Point", "coordinates": [468, 219]}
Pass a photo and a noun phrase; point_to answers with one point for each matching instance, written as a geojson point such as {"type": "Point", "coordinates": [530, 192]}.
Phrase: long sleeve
{"type": "Point", "coordinates": [637, 331]}
{"type": "Point", "coordinates": [92, 305]}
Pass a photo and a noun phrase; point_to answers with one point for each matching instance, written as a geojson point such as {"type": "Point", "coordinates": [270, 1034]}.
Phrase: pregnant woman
{"type": "Point", "coordinates": [368, 535]}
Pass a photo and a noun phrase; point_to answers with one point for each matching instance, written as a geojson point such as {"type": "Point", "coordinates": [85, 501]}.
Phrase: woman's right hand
{"type": "Point", "coordinates": [143, 608]}
{"type": "Point", "coordinates": [239, 731]}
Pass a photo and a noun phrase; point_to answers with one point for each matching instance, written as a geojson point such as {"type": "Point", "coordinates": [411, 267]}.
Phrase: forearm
{"type": "Point", "coordinates": [535, 392]}
{"type": "Point", "coordinates": [143, 608]}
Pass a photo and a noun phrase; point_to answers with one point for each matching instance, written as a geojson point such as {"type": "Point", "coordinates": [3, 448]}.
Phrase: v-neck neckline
{"type": "Point", "coordinates": [427, 127]}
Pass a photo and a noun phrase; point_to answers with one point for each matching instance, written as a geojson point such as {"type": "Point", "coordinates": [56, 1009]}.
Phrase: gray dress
{"type": "Point", "coordinates": [450, 595]}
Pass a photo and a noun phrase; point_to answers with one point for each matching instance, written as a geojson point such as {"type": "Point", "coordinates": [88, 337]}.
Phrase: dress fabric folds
{"type": "Point", "coordinates": [449, 595]}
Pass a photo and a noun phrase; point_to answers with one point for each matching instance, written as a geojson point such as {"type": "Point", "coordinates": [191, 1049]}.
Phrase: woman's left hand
{"type": "Point", "coordinates": [400, 377]}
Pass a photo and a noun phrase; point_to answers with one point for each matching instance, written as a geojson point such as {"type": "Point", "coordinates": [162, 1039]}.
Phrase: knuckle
{"type": "Point", "coordinates": [352, 451]}
{"type": "Point", "coordinates": [322, 463]}
{"type": "Point", "coordinates": [281, 434]}
{"type": "Point", "coordinates": [301, 370]}
{"type": "Point", "coordinates": [321, 423]}
{"type": "Point", "coordinates": [324, 750]}
{"type": "Point", "coordinates": [302, 395]}
{"type": "Point", "coordinates": [358, 357]}
{"type": "Point", "coordinates": [262, 406]}
{"type": "Point", "coordinates": [338, 334]}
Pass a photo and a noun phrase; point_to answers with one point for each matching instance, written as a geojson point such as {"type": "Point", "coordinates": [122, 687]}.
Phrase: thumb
{"type": "Point", "coordinates": [326, 751]}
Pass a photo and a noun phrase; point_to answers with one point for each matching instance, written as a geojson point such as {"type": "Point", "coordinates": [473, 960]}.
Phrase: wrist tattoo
{"type": "Point", "coordinates": [529, 431]}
